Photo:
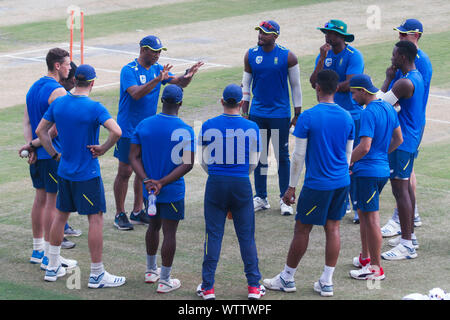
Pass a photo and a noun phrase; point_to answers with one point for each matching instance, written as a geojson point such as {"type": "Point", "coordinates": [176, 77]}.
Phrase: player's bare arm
{"type": "Point", "coordinates": [42, 132]}
{"type": "Point", "coordinates": [184, 80]}
{"type": "Point", "coordinates": [362, 149]}
{"type": "Point", "coordinates": [396, 140]}
{"type": "Point", "coordinates": [320, 63]}
{"type": "Point", "coordinates": [138, 92]}
{"type": "Point", "coordinates": [114, 134]}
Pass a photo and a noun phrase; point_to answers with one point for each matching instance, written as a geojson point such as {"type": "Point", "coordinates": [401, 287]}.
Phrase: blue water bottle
{"type": "Point", "coordinates": [151, 204]}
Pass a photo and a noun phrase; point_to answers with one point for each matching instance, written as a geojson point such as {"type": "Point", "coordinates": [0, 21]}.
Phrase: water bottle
{"type": "Point", "coordinates": [151, 204]}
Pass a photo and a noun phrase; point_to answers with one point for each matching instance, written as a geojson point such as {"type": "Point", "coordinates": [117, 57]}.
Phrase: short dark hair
{"type": "Point", "coordinates": [73, 68]}
{"type": "Point", "coordinates": [55, 55]}
{"type": "Point", "coordinates": [407, 49]}
{"type": "Point", "coordinates": [81, 82]}
{"type": "Point", "coordinates": [328, 81]}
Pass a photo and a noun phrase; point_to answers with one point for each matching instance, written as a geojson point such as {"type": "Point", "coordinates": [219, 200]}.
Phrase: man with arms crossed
{"type": "Point", "coordinates": [379, 135]}
{"type": "Point", "coordinates": [140, 84]}
{"type": "Point", "coordinates": [324, 141]}
{"type": "Point", "coordinates": [80, 187]}
{"type": "Point", "coordinates": [267, 69]}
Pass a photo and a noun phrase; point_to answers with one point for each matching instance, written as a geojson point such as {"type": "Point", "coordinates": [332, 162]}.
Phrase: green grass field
{"type": "Point", "coordinates": [124, 252]}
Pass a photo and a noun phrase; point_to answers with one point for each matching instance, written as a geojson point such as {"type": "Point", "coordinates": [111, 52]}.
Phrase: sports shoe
{"type": "Point", "coordinates": [260, 204]}
{"type": "Point", "coordinates": [255, 293]}
{"type": "Point", "coordinates": [286, 210]}
{"type": "Point", "coordinates": [105, 280]}
{"type": "Point", "coordinates": [66, 244]}
{"type": "Point", "coordinates": [390, 229]}
{"type": "Point", "coordinates": [368, 273]}
{"type": "Point", "coordinates": [359, 262]}
{"type": "Point", "coordinates": [66, 263]}
{"type": "Point", "coordinates": [140, 218]}
{"type": "Point", "coordinates": [206, 294]}
{"type": "Point", "coordinates": [396, 241]}
{"type": "Point", "coordinates": [121, 222]}
{"type": "Point", "coordinates": [36, 257]}
{"type": "Point", "coordinates": [323, 289]}
{"type": "Point", "coordinates": [52, 275]}
{"type": "Point", "coordinates": [356, 218]}
{"type": "Point", "coordinates": [349, 208]}
{"type": "Point", "coordinates": [167, 286]}
{"type": "Point", "coordinates": [279, 284]}
{"type": "Point", "coordinates": [152, 276]}
{"type": "Point", "coordinates": [71, 232]}
{"type": "Point", "coordinates": [417, 220]}
{"type": "Point", "coordinates": [400, 252]}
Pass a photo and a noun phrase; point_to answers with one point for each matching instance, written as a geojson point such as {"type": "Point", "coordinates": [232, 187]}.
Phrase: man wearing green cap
{"type": "Point", "coordinates": [140, 84]}
{"type": "Point", "coordinates": [347, 61]}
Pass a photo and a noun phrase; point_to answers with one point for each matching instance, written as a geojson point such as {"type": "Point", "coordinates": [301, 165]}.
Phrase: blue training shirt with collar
{"type": "Point", "coordinates": [378, 121]}
{"type": "Point", "coordinates": [269, 82]}
{"type": "Point", "coordinates": [78, 120]}
{"type": "Point", "coordinates": [348, 61]}
{"type": "Point", "coordinates": [131, 111]}
{"type": "Point", "coordinates": [328, 127]}
{"type": "Point", "coordinates": [162, 139]}
{"type": "Point", "coordinates": [37, 105]}
{"type": "Point", "coordinates": [230, 139]}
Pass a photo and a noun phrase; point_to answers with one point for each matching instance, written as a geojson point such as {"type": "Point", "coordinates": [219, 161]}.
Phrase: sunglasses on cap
{"type": "Point", "coordinates": [332, 25]}
{"type": "Point", "coordinates": [268, 26]}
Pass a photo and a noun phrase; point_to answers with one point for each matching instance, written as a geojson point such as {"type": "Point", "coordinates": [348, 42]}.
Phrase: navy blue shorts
{"type": "Point", "coordinates": [167, 210]}
{"type": "Point", "coordinates": [317, 206]}
{"type": "Point", "coordinates": [86, 197]}
{"type": "Point", "coordinates": [368, 190]}
{"type": "Point", "coordinates": [44, 175]}
{"type": "Point", "coordinates": [401, 164]}
{"type": "Point", "coordinates": [122, 150]}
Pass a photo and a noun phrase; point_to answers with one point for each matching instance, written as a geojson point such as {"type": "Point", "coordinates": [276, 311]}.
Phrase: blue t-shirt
{"type": "Point", "coordinates": [270, 82]}
{"type": "Point", "coordinates": [348, 61]}
{"type": "Point", "coordinates": [412, 114]}
{"type": "Point", "coordinates": [37, 105]}
{"type": "Point", "coordinates": [78, 120]}
{"type": "Point", "coordinates": [230, 139]}
{"type": "Point", "coordinates": [378, 121]}
{"type": "Point", "coordinates": [328, 127]}
{"type": "Point", "coordinates": [131, 111]}
{"type": "Point", "coordinates": [163, 138]}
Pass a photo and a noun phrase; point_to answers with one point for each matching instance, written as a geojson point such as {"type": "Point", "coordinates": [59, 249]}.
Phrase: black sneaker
{"type": "Point", "coordinates": [140, 218]}
{"type": "Point", "coordinates": [66, 244]}
{"type": "Point", "coordinates": [121, 222]}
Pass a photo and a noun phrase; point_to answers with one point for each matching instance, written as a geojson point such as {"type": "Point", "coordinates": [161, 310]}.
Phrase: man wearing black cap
{"type": "Point", "coordinates": [230, 153]}
{"type": "Point", "coordinates": [410, 30]}
{"type": "Point", "coordinates": [380, 134]}
{"type": "Point", "coordinates": [347, 61]}
{"type": "Point", "coordinates": [267, 69]}
{"type": "Point", "coordinates": [140, 83]}
{"type": "Point", "coordinates": [161, 153]}
{"type": "Point", "coordinates": [80, 186]}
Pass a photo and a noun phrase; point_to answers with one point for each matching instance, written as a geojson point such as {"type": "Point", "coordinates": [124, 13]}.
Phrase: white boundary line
{"type": "Point", "coordinates": [440, 121]}
{"type": "Point", "coordinates": [439, 96]}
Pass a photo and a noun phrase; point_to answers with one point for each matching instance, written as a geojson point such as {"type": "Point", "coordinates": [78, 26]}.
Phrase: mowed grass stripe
{"type": "Point", "coordinates": [105, 24]}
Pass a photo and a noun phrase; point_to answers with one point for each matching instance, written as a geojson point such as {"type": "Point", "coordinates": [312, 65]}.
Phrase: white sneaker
{"type": "Point", "coordinates": [396, 241]}
{"type": "Point", "coordinates": [279, 284]}
{"type": "Point", "coordinates": [400, 252]}
{"type": "Point", "coordinates": [323, 289]}
{"type": "Point", "coordinates": [69, 264]}
{"type": "Point", "coordinates": [152, 276]}
{"type": "Point", "coordinates": [359, 263]}
{"type": "Point", "coordinates": [105, 280]}
{"type": "Point", "coordinates": [52, 275]}
{"type": "Point", "coordinates": [260, 204]}
{"type": "Point", "coordinates": [167, 286]}
{"type": "Point", "coordinates": [417, 220]}
{"type": "Point", "coordinates": [286, 210]}
{"type": "Point", "coordinates": [368, 273]}
{"type": "Point", "coordinates": [390, 229]}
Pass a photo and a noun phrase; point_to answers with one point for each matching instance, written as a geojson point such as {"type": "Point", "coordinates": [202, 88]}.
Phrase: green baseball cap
{"type": "Point", "coordinates": [339, 27]}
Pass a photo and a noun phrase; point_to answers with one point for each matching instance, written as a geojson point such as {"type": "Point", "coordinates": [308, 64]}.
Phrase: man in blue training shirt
{"type": "Point", "coordinates": [379, 134]}
{"type": "Point", "coordinates": [230, 153]}
{"type": "Point", "coordinates": [268, 68]}
{"type": "Point", "coordinates": [324, 141]}
{"type": "Point", "coordinates": [43, 169]}
{"type": "Point", "coordinates": [347, 61]}
{"type": "Point", "coordinates": [410, 30]}
{"type": "Point", "coordinates": [408, 92]}
{"type": "Point", "coordinates": [140, 84]}
{"type": "Point", "coordinates": [161, 153]}
{"type": "Point", "coordinates": [80, 187]}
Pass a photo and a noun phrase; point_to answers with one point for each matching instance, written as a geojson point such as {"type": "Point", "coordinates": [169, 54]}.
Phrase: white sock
{"type": "Point", "coordinates": [46, 245]}
{"type": "Point", "coordinates": [53, 256]}
{"type": "Point", "coordinates": [288, 273]}
{"type": "Point", "coordinates": [406, 243]}
{"type": "Point", "coordinates": [38, 244]}
{"type": "Point", "coordinates": [135, 213]}
{"type": "Point", "coordinates": [413, 236]}
{"type": "Point", "coordinates": [395, 215]}
{"type": "Point", "coordinates": [327, 275]}
{"type": "Point", "coordinates": [97, 268]}
{"type": "Point", "coordinates": [151, 263]}
{"type": "Point", "coordinates": [416, 211]}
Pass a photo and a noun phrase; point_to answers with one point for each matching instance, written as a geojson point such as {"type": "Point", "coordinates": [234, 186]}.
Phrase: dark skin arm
{"type": "Point", "coordinates": [390, 75]}
{"type": "Point", "coordinates": [320, 63]}
{"type": "Point", "coordinates": [138, 92]}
